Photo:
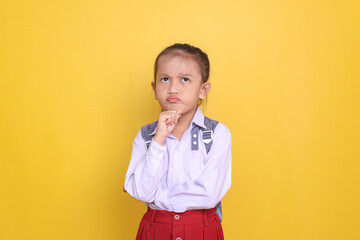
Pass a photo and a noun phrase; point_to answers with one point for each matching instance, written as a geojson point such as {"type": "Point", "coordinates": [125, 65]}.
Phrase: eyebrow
{"type": "Point", "coordinates": [181, 74]}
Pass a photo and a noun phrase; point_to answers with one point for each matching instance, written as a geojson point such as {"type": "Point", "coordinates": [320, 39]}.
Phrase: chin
{"type": "Point", "coordinates": [170, 108]}
{"type": "Point", "coordinates": [179, 111]}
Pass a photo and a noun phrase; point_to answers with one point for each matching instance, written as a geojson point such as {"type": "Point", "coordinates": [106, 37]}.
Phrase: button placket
{"type": "Point", "coordinates": [194, 138]}
{"type": "Point", "coordinates": [177, 230]}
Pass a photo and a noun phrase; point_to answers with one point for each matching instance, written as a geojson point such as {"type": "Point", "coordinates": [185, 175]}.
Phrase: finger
{"type": "Point", "coordinates": [171, 120]}
{"type": "Point", "coordinates": [167, 117]}
{"type": "Point", "coordinates": [173, 117]}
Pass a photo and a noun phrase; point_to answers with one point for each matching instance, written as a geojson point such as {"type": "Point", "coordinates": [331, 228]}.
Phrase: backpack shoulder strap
{"type": "Point", "coordinates": [207, 138]}
{"type": "Point", "coordinates": [146, 132]}
{"type": "Point", "coordinates": [209, 132]}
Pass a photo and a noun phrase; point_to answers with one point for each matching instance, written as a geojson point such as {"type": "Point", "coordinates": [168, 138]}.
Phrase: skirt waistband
{"type": "Point", "coordinates": [205, 216]}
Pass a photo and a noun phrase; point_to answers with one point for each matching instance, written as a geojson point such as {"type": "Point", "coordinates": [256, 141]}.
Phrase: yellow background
{"type": "Point", "coordinates": [75, 89]}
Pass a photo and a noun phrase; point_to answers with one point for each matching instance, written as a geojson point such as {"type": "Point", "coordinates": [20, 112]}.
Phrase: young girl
{"type": "Point", "coordinates": [181, 164]}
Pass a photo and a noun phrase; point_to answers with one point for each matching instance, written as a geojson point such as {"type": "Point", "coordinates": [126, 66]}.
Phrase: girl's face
{"type": "Point", "coordinates": [179, 85]}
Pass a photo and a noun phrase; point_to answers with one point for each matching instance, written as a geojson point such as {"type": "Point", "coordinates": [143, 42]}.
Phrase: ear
{"type": "Point", "coordinates": [204, 90]}
{"type": "Point", "coordinates": [153, 85]}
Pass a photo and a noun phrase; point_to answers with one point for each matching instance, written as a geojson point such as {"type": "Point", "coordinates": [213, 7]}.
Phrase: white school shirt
{"type": "Point", "coordinates": [175, 178]}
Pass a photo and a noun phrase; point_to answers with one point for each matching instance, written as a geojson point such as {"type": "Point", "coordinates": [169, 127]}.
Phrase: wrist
{"type": "Point", "coordinates": [160, 139]}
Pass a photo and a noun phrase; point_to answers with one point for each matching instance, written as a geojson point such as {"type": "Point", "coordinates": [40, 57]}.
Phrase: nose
{"type": "Point", "coordinates": [173, 87]}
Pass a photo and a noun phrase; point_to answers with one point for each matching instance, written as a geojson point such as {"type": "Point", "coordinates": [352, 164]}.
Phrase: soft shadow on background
{"type": "Point", "coordinates": [75, 89]}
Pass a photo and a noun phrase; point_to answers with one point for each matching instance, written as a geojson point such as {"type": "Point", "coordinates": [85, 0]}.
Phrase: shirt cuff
{"type": "Point", "coordinates": [157, 148]}
{"type": "Point", "coordinates": [155, 155]}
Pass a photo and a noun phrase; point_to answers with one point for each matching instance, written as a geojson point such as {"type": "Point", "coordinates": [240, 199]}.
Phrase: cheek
{"type": "Point", "coordinates": [158, 88]}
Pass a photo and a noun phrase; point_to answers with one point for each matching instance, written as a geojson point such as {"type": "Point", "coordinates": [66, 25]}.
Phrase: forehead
{"type": "Point", "coordinates": [178, 64]}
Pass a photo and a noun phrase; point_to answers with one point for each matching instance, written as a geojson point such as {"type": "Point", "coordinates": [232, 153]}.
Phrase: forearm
{"type": "Point", "coordinates": [145, 171]}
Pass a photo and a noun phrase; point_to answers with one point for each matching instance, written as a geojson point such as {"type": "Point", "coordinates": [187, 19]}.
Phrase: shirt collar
{"type": "Point", "coordinates": [198, 119]}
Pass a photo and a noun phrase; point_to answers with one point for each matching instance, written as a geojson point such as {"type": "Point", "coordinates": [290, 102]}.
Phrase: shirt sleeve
{"type": "Point", "coordinates": [212, 184]}
{"type": "Point", "coordinates": [142, 180]}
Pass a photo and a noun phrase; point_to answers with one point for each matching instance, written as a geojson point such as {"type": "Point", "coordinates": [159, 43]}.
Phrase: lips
{"type": "Point", "coordinates": [173, 99]}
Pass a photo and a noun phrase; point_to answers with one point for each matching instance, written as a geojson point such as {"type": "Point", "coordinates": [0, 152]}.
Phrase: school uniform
{"type": "Point", "coordinates": [181, 186]}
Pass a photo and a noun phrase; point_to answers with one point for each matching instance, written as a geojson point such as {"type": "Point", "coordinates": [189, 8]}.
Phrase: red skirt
{"type": "Point", "coordinates": [190, 225]}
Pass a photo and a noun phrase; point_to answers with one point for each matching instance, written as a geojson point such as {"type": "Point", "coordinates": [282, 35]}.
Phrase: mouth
{"type": "Point", "coordinates": [173, 99]}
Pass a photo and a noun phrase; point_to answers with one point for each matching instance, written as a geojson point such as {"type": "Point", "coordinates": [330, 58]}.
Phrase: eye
{"type": "Point", "coordinates": [164, 79]}
{"type": "Point", "coordinates": [185, 80]}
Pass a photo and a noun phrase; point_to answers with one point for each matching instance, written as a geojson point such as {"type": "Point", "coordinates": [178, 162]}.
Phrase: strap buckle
{"type": "Point", "coordinates": [207, 136]}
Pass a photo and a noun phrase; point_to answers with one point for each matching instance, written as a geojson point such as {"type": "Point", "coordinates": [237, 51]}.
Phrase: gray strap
{"type": "Point", "coordinates": [208, 133]}
{"type": "Point", "coordinates": [146, 132]}
{"type": "Point", "coordinates": [207, 136]}
{"type": "Point", "coordinates": [218, 211]}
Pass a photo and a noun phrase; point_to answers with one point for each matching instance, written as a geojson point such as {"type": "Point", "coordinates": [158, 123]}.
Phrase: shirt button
{"type": "Point", "coordinates": [194, 142]}
{"type": "Point", "coordinates": [179, 238]}
{"type": "Point", "coordinates": [195, 135]}
{"type": "Point", "coordinates": [177, 218]}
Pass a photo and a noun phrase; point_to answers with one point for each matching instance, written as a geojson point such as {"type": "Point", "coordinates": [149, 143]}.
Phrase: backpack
{"type": "Point", "coordinates": [207, 139]}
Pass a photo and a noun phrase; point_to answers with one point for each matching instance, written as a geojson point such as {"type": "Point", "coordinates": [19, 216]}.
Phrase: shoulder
{"type": "Point", "coordinates": [223, 130]}
{"type": "Point", "coordinates": [219, 128]}
{"type": "Point", "coordinates": [146, 130]}
{"type": "Point", "coordinates": [145, 133]}
{"type": "Point", "coordinates": [150, 126]}
{"type": "Point", "coordinates": [221, 139]}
